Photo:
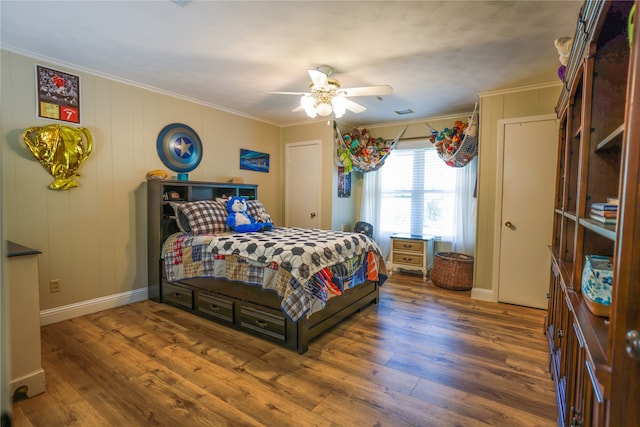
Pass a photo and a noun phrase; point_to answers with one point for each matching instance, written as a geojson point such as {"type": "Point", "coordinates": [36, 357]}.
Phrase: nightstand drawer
{"type": "Point", "coordinates": [404, 245]}
{"type": "Point", "coordinates": [214, 306]}
{"type": "Point", "coordinates": [178, 296]}
{"type": "Point", "coordinates": [408, 259]}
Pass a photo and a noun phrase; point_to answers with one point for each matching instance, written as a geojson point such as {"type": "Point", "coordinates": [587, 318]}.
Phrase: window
{"type": "Point", "coordinates": [417, 193]}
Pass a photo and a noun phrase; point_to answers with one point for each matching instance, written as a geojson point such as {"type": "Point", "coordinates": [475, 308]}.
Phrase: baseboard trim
{"type": "Point", "coordinates": [483, 295]}
{"type": "Point", "coordinates": [33, 383]}
{"type": "Point", "coordinates": [70, 311]}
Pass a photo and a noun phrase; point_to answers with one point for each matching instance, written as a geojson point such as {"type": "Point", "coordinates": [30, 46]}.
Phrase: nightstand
{"type": "Point", "coordinates": [411, 252]}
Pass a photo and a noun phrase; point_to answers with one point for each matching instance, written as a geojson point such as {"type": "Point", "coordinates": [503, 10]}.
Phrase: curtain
{"type": "Point", "coordinates": [463, 213]}
{"type": "Point", "coordinates": [465, 209]}
{"type": "Point", "coordinates": [371, 207]}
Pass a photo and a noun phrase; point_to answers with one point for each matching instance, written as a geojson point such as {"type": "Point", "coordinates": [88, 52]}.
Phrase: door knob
{"type": "Point", "coordinates": [508, 224]}
{"type": "Point", "coordinates": [632, 341]}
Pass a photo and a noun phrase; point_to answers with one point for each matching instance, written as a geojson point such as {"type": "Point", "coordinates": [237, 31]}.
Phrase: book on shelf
{"type": "Point", "coordinates": [604, 206]}
{"type": "Point", "coordinates": [612, 201]}
{"type": "Point", "coordinates": [606, 214]}
{"type": "Point", "coordinates": [603, 219]}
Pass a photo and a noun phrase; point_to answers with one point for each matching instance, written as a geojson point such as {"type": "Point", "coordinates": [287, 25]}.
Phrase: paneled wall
{"type": "Point", "coordinates": [93, 237]}
{"type": "Point", "coordinates": [495, 106]}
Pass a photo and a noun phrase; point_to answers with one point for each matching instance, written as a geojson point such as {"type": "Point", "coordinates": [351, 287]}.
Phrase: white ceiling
{"type": "Point", "coordinates": [437, 55]}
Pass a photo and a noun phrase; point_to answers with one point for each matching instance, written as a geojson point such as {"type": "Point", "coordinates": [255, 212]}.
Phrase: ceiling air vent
{"type": "Point", "coordinates": [403, 112]}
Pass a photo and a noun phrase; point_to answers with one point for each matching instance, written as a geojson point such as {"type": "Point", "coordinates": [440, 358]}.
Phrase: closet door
{"type": "Point", "coordinates": [302, 187]}
{"type": "Point", "coordinates": [527, 190]}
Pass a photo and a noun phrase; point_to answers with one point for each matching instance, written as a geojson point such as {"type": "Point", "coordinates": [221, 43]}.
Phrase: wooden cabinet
{"type": "Point", "coordinates": [594, 360]}
{"type": "Point", "coordinates": [411, 252]}
{"type": "Point", "coordinates": [162, 225]}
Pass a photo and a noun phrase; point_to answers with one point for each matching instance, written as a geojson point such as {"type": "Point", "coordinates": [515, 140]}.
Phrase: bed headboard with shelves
{"type": "Point", "coordinates": [161, 217]}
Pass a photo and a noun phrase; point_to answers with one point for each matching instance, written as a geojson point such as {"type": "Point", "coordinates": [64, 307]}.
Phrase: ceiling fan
{"type": "Point", "coordinates": [326, 95]}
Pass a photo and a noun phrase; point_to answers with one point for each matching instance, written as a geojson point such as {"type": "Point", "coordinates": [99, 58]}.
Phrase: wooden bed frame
{"type": "Point", "coordinates": [244, 307]}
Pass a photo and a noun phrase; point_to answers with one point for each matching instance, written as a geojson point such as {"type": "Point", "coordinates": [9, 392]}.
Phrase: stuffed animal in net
{"type": "Point", "coordinates": [240, 221]}
{"type": "Point", "coordinates": [563, 45]}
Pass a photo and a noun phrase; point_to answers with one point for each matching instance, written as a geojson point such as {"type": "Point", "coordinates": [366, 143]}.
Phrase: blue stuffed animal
{"type": "Point", "coordinates": [240, 221]}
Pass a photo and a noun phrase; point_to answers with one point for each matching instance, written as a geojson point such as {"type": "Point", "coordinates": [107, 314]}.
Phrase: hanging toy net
{"type": "Point", "coordinates": [459, 145]}
{"type": "Point", "coordinates": [358, 151]}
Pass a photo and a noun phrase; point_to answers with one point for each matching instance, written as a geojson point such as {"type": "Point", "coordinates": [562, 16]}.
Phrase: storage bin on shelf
{"type": "Point", "coordinates": [597, 277]}
{"type": "Point", "coordinates": [453, 271]}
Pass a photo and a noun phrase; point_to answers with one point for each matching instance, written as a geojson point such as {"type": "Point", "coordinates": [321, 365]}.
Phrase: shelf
{"type": "Point", "coordinates": [610, 140]}
{"type": "Point", "coordinates": [565, 268]}
{"type": "Point", "coordinates": [608, 231]}
{"type": "Point", "coordinates": [594, 330]}
{"type": "Point", "coordinates": [593, 376]}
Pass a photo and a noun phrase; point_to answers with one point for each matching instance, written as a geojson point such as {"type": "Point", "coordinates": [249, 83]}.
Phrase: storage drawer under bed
{"type": "Point", "coordinates": [178, 296]}
{"type": "Point", "coordinates": [214, 306]}
{"type": "Point", "coordinates": [258, 320]}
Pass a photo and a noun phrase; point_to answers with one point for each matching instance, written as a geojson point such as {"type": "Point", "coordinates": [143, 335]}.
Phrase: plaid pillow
{"type": "Point", "coordinates": [205, 216]}
{"type": "Point", "coordinates": [257, 211]}
{"type": "Point", "coordinates": [181, 219]}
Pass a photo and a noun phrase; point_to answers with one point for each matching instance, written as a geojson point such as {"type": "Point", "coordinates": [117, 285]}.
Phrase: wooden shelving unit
{"type": "Point", "coordinates": [597, 379]}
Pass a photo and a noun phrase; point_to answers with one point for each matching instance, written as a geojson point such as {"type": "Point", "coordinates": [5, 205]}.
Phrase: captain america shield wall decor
{"type": "Point", "coordinates": [179, 147]}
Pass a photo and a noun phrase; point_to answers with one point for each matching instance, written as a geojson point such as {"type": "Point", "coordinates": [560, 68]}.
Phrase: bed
{"type": "Point", "coordinates": [286, 285]}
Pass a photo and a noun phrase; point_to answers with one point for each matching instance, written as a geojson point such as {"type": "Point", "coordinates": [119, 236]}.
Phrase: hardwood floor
{"type": "Point", "coordinates": [424, 356]}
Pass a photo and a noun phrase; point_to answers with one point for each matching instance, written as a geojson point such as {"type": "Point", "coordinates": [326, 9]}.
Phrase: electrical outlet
{"type": "Point", "coordinates": [54, 286]}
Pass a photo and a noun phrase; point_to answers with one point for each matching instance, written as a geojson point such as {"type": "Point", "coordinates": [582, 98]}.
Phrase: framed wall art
{"type": "Point", "coordinates": [344, 183]}
{"type": "Point", "coordinates": [254, 160]}
{"type": "Point", "coordinates": [58, 95]}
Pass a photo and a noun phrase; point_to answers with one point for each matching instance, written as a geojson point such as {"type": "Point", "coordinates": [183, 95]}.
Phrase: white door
{"type": "Point", "coordinates": [527, 151]}
{"type": "Point", "coordinates": [302, 184]}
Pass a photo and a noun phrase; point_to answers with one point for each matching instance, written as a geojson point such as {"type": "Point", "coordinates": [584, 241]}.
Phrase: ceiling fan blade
{"type": "Point", "coordinates": [298, 108]}
{"type": "Point", "coordinates": [291, 93]}
{"type": "Point", "coordinates": [368, 90]}
{"type": "Point", "coordinates": [319, 79]}
{"type": "Point", "coordinates": [354, 106]}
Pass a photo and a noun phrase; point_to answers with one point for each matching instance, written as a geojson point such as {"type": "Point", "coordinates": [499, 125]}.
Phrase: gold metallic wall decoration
{"type": "Point", "coordinates": [61, 150]}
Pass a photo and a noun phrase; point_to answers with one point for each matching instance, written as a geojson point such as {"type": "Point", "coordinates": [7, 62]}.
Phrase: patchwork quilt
{"type": "Point", "coordinates": [305, 267]}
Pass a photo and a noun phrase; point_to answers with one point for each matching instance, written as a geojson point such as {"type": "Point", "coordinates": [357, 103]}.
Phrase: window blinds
{"type": "Point", "coordinates": [417, 192]}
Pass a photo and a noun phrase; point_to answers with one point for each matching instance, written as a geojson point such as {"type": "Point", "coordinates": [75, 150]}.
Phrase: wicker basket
{"type": "Point", "coordinates": [452, 271]}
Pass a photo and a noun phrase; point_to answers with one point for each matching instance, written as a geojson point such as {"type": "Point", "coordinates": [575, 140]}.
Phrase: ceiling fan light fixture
{"type": "Point", "coordinates": [339, 106]}
{"type": "Point", "coordinates": [326, 96]}
{"type": "Point", "coordinates": [311, 112]}
{"type": "Point", "coordinates": [307, 101]}
{"type": "Point", "coordinates": [324, 109]}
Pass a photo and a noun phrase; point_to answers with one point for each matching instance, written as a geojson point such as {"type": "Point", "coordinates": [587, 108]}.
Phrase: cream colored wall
{"type": "Point", "coordinates": [93, 237]}
{"type": "Point", "coordinates": [495, 106]}
{"type": "Point", "coordinates": [417, 129]}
